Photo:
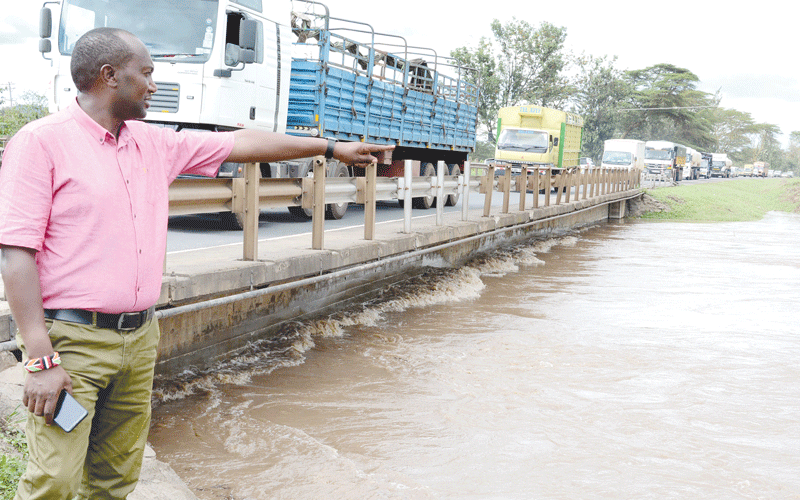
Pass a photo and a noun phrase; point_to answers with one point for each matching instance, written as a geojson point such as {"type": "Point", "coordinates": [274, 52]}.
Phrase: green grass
{"type": "Point", "coordinates": [13, 456]}
{"type": "Point", "coordinates": [734, 200]}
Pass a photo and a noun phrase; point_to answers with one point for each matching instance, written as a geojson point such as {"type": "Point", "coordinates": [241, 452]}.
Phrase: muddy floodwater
{"type": "Point", "coordinates": [627, 360]}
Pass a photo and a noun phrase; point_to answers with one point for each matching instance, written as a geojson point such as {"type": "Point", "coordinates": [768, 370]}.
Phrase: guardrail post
{"type": "Point", "coordinates": [251, 212]}
{"type": "Point", "coordinates": [440, 168]}
{"type": "Point", "coordinates": [559, 186]}
{"type": "Point", "coordinates": [318, 213]}
{"type": "Point", "coordinates": [523, 187]}
{"type": "Point", "coordinates": [536, 184]}
{"type": "Point", "coordinates": [567, 185]}
{"type": "Point", "coordinates": [465, 190]}
{"type": "Point", "coordinates": [407, 196]}
{"type": "Point", "coordinates": [548, 186]}
{"type": "Point", "coordinates": [506, 188]}
{"type": "Point", "coordinates": [488, 185]}
{"type": "Point", "coordinates": [371, 176]}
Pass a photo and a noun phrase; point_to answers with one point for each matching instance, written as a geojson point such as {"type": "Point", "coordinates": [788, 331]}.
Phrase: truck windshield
{"type": "Point", "coordinates": [717, 163]}
{"type": "Point", "coordinates": [617, 158]}
{"type": "Point", "coordinates": [658, 154]}
{"type": "Point", "coordinates": [171, 29]}
{"type": "Point", "coordinates": [532, 141]}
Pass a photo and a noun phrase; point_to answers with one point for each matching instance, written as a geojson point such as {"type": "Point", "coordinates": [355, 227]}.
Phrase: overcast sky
{"type": "Point", "coordinates": [748, 51]}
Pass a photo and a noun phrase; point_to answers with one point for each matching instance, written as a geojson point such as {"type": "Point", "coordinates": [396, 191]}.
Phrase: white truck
{"type": "Point", "coordinates": [693, 164]}
{"type": "Point", "coordinates": [231, 64]}
{"type": "Point", "coordinates": [665, 159]}
{"type": "Point", "coordinates": [720, 165]}
{"type": "Point", "coordinates": [626, 154]}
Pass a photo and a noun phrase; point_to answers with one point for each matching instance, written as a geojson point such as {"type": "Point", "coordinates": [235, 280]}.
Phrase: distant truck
{"type": "Point", "coordinates": [538, 137]}
{"type": "Point", "coordinates": [760, 169]}
{"type": "Point", "coordinates": [665, 158]}
{"type": "Point", "coordinates": [747, 170]}
{"type": "Point", "coordinates": [691, 171]}
{"type": "Point", "coordinates": [626, 154]}
{"type": "Point", "coordinates": [720, 165]}
{"type": "Point", "coordinates": [705, 166]}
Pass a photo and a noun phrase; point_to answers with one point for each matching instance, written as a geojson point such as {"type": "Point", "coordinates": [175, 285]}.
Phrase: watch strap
{"type": "Point", "coordinates": [329, 151]}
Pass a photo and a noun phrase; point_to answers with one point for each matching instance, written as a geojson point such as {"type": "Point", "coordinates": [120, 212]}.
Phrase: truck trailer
{"type": "Point", "coordinates": [538, 137]}
{"type": "Point", "coordinates": [230, 64]}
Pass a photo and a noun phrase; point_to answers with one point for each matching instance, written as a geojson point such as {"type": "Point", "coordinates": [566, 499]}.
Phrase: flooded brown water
{"type": "Point", "coordinates": [629, 360]}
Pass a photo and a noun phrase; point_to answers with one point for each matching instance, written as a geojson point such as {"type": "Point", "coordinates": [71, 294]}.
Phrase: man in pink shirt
{"type": "Point", "coordinates": [83, 224]}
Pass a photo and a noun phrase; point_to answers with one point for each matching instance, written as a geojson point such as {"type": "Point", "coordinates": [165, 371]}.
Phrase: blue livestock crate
{"type": "Point", "coordinates": [356, 106]}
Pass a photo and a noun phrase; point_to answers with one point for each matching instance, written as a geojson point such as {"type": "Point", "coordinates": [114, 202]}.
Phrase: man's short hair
{"type": "Point", "coordinates": [95, 49]}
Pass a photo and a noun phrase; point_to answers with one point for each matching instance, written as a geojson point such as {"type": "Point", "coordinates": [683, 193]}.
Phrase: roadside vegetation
{"type": "Point", "coordinates": [13, 455]}
{"type": "Point", "coordinates": [735, 200]}
{"type": "Point", "coordinates": [526, 64]}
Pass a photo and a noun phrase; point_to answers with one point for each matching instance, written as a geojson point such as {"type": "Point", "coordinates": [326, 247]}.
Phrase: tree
{"type": "Point", "coordinates": [600, 91]}
{"type": "Point", "coordinates": [793, 153]}
{"type": "Point", "coordinates": [666, 106]}
{"type": "Point", "coordinates": [31, 106]}
{"type": "Point", "coordinates": [522, 65]}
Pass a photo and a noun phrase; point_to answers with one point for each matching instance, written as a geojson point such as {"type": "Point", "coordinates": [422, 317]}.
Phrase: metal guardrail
{"type": "Point", "coordinates": [248, 195]}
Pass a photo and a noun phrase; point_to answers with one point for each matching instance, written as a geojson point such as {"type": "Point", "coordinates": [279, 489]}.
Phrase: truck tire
{"type": "Point", "coordinates": [335, 211]}
{"type": "Point", "coordinates": [452, 199]}
{"type": "Point", "coordinates": [231, 221]}
{"type": "Point", "coordinates": [425, 202]}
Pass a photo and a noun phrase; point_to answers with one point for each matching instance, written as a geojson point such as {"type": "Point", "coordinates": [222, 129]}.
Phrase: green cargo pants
{"type": "Point", "coordinates": [112, 377]}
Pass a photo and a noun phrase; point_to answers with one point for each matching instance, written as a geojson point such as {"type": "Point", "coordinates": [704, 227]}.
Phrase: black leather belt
{"type": "Point", "coordinates": [122, 321]}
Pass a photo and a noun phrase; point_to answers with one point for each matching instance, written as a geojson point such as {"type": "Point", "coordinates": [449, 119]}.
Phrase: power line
{"type": "Point", "coordinates": [663, 109]}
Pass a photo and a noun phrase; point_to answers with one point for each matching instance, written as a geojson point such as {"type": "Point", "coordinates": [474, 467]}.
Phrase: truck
{"type": "Point", "coordinates": [693, 164]}
{"type": "Point", "coordinates": [747, 170]}
{"type": "Point", "coordinates": [623, 153]}
{"type": "Point", "coordinates": [665, 159]}
{"type": "Point", "coordinates": [720, 165]}
{"type": "Point", "coordinates": [539, 137]}
{"type": "Point", "coordinates": [231, 64]}
{"type": "Point", "coordinates": [760, 169]}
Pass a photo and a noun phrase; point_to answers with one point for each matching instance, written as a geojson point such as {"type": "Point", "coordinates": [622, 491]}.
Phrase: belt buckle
{"type": "Point", "coordinates": [124, 316]}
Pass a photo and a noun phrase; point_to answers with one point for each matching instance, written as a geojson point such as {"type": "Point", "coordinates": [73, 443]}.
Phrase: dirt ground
{"type": "Point", "coordinates": [645, 204]}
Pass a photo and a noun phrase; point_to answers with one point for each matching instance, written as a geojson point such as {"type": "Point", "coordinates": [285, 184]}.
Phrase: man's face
{"type": "Point", "coordinates": [135, 84]}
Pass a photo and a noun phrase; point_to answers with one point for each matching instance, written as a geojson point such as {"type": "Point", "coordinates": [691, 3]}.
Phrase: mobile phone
{"type": "Point", "coordinates": [69, 412]}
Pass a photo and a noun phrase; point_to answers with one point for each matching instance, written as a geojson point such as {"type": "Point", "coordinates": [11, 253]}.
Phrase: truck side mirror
{"type": "Point", "coordinates": [45, 30]}
{"type": "Point", "coordinates": [247, 34]}
{"type": "Point", "coordinates": [555, 141]}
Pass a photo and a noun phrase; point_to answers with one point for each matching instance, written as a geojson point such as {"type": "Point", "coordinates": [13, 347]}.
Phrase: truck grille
{"type": "Point", "coordinates": [166, 98]}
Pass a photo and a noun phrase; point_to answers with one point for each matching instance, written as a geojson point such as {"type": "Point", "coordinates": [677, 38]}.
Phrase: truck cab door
{"type": "Point", "coordinates": [242, 102]}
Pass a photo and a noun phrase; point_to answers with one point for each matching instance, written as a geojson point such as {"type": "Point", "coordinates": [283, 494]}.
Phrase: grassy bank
{"type": "Point", "coordinates": [734, 200]}
{"type": "Point", "coordinates": [13, 455]}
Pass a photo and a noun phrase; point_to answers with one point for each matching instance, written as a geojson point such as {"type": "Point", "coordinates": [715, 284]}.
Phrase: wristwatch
{"type": "Point", "coordinates": [329, 151]}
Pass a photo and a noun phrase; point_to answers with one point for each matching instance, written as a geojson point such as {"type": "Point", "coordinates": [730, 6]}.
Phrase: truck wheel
{"type": "Point", "coordinates": [425, 202]}
{"type": "Point", "coordinates": [231, 221]}
{"type": "Point", "coordinates": [300, 213]}
{"type": "Point", "coordinates": [335, 211]}
{"type": "Point", "coordinates": [452, 199]}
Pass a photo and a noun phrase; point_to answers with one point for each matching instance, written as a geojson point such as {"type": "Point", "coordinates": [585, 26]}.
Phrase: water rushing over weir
{"type": "Point", "coordinates": [627, 361]}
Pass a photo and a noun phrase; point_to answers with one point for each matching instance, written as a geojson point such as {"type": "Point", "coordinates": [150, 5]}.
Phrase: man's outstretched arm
{"type": "Point", "coordinates": [260, 146]}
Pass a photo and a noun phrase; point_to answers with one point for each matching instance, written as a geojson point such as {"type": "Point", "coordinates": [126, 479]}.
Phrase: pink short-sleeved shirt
{"type": "Point", "coordinates": [96, 208]}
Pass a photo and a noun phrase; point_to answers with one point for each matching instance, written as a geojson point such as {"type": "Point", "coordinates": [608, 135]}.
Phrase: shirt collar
{"type": "Point", "coordinates": [95, 129]}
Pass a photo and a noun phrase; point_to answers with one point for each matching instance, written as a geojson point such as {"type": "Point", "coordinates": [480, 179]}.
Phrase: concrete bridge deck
{"type": "Point", "coordinates": [213, 302]}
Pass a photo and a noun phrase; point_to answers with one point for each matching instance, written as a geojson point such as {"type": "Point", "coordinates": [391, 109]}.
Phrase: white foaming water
{"type": "Point", "coordinates": [453, 285]}
{"type": "Point", "coordinates": [612, 371]}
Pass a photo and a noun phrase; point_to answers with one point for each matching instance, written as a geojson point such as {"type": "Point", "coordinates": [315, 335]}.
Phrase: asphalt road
{"type": "Point", "coordinates": [206, 231]}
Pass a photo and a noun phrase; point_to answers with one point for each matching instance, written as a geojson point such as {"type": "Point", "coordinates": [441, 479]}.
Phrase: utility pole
{"type": "Point", "coordinates": [10, 98]}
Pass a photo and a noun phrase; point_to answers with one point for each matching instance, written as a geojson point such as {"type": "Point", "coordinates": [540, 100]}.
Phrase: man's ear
{"type": "Point", "coordinates": [108, 75]}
